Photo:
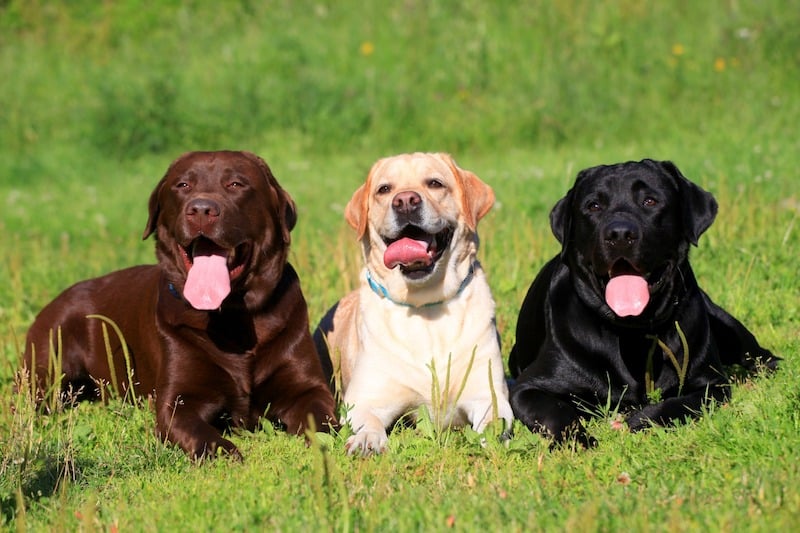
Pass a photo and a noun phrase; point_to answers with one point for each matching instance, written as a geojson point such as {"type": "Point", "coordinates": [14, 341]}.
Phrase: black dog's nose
{"type": "Point", "coordinates": [621, 233]}
{"type": "Point", "coordinates": [406, 202]}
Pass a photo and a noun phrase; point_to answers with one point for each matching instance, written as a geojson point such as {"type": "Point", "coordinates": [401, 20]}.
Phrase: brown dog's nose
{"type": "Point", "coordinates": [201, 212]}
{"type": "Point", "coordinates": [621, 233]}
{"type": "Point", "coordinates": [406, 202]}
{"type": "Point", "coordinates": [202, 207]}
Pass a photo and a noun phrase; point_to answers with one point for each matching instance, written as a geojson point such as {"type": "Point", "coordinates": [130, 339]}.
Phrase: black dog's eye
{"type": "Point", "coordinates": [650, 202]}
{"type": "Point", "coordinates": [434, 183]}
{"type": "Point", "coordinates": [594, 207]}
{"type": "Point", "coordinates": [384, 189]}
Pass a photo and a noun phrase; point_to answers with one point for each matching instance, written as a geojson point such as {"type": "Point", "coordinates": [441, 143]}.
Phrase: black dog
{"type": "Point", "coordinates": [617, 318]}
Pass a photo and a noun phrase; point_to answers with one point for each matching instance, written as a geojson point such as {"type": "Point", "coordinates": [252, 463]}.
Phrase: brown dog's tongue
{"type": "Point", "coordinates": [627, 295]}
{"type": "Point", "coordinates": [406, 252]}
{"type": "Point", "coordinates": [208, 281]}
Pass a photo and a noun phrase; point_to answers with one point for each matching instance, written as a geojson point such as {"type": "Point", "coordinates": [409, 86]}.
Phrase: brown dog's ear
{"type": "Point", "coordinates": [154, 208]}
{"type": "Point", "coordinates": [698, 207]}
{"type": "Point", "coordinates": [477, 198]}
{"type": "Point", "coordinates": [287, 209]}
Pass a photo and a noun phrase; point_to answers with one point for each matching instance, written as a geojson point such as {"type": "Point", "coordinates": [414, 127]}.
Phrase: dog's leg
{"type": "Point", "coordinates": [481, 412]}
{"type": "Point", "coordinates": [672, 410]}
{"type": "Point", "coordinates": [369, 424]}
{"type": "Point", "coordinates": [485, 397]}
{"type": "Point", "coordinates": [181, 422]}
{"type": "Point", "coordinates": [545, 413]}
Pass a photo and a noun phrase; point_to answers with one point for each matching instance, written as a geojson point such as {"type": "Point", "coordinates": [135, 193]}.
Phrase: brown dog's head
{"type": "Point", "coordinates": [416, 217]}
{"type": "Point", "coordinates": [222, 226]}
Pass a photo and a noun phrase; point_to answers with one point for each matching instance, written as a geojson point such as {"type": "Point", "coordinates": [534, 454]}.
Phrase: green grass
{"type": "Point", "coordinates": [98, 98]}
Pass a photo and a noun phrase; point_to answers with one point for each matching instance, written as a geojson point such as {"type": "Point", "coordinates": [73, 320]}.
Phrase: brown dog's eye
{"type": "Point", "coordinates": [384, 189]}
{"type": "Point", "coordinates": [235, 185]}
{"type": "Point", "coordinates": [182, 185]}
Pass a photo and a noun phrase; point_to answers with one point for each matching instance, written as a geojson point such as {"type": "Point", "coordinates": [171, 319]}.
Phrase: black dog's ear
{"type": "Point", "coordinates": [699, 208]}
{"type": "Point", "coordinates": [561, 217]}
{"type": "Point", "coordinates": [561, 214]}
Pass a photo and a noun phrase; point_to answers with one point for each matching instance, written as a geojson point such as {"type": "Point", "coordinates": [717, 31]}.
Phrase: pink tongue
{"type": "Point", "coordinates": [406, 252]}
{"type": "Point", "coordinates": [627, 295]}
{"type": "Point", "coordinates": [208, 282]}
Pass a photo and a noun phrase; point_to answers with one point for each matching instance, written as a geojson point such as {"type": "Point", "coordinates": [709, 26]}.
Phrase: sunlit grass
{"type": "Point", "coordinates": [100, 97]}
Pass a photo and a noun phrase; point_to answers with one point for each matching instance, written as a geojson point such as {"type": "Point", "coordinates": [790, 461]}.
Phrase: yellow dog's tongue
{"type": "Point", "coordinates": [406, 252]}
{"type": "Point", "coordinates": [208, 281]}
{"type": "Point", "coordinates": [627, 295]}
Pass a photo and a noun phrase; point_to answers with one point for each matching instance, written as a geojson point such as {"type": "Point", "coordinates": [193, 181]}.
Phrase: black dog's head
{"type": "Point", "coordinates": [625, 231]}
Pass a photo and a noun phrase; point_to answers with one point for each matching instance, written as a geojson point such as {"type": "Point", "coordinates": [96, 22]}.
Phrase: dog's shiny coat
{"type": "Point", "coordinates": [413, 317]}
{"type": "Point", "coordinates": [574, 353]}
{"type": "Point", "coordinates": [207, 369]}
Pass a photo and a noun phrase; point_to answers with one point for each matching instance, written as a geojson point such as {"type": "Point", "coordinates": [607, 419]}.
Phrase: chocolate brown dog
{"type": "Point", "coordinates": [217, 332]}
{"type": "Point", "coordinates": [617, 318]}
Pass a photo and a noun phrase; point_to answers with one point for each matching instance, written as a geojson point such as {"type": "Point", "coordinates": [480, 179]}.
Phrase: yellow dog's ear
{"type": "Point", "coordinates": [477, 198]}
{"type": "Point", "coordinates": [356, 211]}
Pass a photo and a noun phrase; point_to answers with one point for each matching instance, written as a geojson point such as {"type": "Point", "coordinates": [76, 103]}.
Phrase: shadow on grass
{"type": "Point", "coordinates": [41, 480]}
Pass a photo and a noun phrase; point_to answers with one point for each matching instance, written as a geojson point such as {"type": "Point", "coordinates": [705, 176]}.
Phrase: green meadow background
{"type": "Point", "coordinates": [97, 98]}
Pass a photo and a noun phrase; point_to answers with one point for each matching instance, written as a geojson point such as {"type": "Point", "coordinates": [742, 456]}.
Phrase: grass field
{"type": "Point", "coordinates": [98, 98]}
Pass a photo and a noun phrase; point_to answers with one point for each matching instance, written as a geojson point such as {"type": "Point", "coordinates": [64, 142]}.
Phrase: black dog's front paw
{"type": "Point", "coordinates": [637, 421]}
{"type": "Point", "coordinates": [550, 416]}
{"type": "Point", "coordinates": [574, 434]}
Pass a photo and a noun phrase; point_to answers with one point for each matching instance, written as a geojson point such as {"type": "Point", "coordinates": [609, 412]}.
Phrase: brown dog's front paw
{"type": "Point", "coordinates": [211, 450]}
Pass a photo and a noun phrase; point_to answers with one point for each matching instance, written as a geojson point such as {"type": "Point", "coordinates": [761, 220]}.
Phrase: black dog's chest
{"type": "Point", "coordinates": [643, 369]}
{"type": "Point", "coordinates": [634, 350]}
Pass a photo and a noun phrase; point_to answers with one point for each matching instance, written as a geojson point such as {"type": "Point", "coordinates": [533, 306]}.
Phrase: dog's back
{"type": "Point", "coordinates": [71, 328]}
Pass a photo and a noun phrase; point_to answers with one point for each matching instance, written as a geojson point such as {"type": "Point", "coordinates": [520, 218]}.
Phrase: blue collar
{"type": "Point", "coordinates": [381, 291]}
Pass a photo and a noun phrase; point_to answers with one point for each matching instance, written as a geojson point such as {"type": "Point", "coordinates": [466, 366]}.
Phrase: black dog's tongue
{"type": "Point", "coordinates": [208, 281]}
{"type": "Point", "coordinates": [627, 295]}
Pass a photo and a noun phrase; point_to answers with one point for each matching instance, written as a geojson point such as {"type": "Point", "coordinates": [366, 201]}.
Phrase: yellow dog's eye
{"type": "Point", "coordinates": [384, 189]}
{"type": "Point", "coordinates": [434, 183]}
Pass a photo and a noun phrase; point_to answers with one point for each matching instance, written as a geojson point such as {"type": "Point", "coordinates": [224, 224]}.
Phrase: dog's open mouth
{"type": "Point", "coordinates": [416, 251]}
{"type": "Point", "coordinates": [627, 290]}
{"type": "Point", "coordinates": [210, 269]}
